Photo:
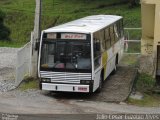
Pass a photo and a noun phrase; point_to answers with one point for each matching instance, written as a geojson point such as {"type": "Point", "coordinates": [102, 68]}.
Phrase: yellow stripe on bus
{"type": "Point", "coordinates": [104, 62]}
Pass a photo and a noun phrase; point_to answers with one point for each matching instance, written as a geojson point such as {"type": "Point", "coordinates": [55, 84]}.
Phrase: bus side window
{"type": "Point", "coordinates": [112, 35]}
{"type": "Point", "coordinates": [107, 38]}
{"type": "Point", "coordinates": [121, 27]}
{"type": "Point", "coordinates": [97, 43]}
{"type": "Point", "coordinates": [102, 40]}
{"type": "Point", "coordinates": [116, 32]}
{"type": "Point", "coordinates": [97, 48]}
{"type": "Point", "coordinates": [100, 36]}
{"type": "Point", "coordinates": [97, 53]}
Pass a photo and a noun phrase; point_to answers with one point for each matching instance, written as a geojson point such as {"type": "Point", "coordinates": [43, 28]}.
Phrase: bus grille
{"type": "Point", "coordinates": [65, 77]}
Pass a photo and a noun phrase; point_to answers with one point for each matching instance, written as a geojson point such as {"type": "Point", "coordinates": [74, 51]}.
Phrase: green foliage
{"type": "Point", "coordinates": [134, 47]}
{"type": "Point", "coordinates": [8, 43]}
{"type": "Point", "coordinates": [2, 15]}
{"type": "Point", "coordinates": [129, 60]}
{"type": "Point", "coordinates": [4, 31]}
{"type": "Point", "coordinates": [29, 83]}
{"type": "Point", "coordinates": [20, 14]}
{"type": "Point", "coordinates": [145, 82]}
{"type": "Point", "coordinates": [147, 101]}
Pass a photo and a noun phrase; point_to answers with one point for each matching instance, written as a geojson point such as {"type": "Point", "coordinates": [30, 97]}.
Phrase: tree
{"type": "Point", "coordinates": [4, 31]}
{"type": "Point", "coordinates": [132, 3]}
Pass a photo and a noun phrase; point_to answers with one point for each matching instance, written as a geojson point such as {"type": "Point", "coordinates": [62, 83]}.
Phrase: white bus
{"type": "Point", "coordinates": [78, 56]}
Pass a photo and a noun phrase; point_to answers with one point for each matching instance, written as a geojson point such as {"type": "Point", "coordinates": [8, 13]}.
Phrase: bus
{"type": "Point", "coordinates": [79, 55]}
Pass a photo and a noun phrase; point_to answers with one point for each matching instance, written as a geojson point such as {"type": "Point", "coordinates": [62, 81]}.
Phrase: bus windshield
{"type": "Point", "coordinates": [71, 55]}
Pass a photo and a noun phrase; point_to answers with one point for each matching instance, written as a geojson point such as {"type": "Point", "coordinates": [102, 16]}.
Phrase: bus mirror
{"type": "Point", "coordinates": [37, 46]}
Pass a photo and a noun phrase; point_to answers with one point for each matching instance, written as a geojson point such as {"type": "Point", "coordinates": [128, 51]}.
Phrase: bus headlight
{"type": "Point", "coordinates": [46, 80]}
{"type": "Point", "coordinates": [87, 82]}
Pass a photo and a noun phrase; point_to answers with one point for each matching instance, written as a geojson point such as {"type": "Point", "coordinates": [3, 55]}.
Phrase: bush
{"type": "Point", "coordinates": [4, 31]}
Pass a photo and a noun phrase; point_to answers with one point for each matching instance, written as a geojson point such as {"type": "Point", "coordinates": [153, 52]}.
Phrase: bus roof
{"type": "Point", "coordinates": [86, 25]}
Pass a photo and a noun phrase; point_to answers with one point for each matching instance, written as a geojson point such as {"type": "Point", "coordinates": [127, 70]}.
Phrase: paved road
{"type": "Point", "coordinates": [81, 117]}
{"type": "Point", "coordinates": [45, 103]}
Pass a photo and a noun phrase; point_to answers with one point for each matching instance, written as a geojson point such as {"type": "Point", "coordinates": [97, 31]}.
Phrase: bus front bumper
{"type": "Point", "coordinates": [65, 87]}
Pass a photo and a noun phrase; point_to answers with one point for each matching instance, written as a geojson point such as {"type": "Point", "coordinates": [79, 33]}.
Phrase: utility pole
{"type": "Point", "coordinates": [36, 38]}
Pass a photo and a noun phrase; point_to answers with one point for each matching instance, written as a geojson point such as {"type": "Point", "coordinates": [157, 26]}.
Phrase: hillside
{"type": "Point", "coordinates": [20, 15]}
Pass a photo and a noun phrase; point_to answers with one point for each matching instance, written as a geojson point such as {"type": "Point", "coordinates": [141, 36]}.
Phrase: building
{"type": "Point", "coordinates": [150, 42]}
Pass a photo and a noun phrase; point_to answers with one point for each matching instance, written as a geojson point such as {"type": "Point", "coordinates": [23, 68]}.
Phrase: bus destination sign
{"type": "Point", "coordinates": [73, 36]}
{"type": "Point", "coordinates": [51, 35]}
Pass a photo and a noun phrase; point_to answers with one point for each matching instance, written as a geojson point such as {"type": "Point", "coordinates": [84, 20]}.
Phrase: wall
{"type": "Point", "coordinates": [150, 10]}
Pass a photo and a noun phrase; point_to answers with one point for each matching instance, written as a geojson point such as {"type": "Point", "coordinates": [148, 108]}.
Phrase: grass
{"type": "Point", "coordinates": [133, 47]}
{"type": "Point", "coordinates": [11, 44]}
{"type": "Point", "coordinates": [29, 83]}
{"type": "Point", "coordinates": [133, 34]}
{"type": "Point", "coordinates": [145, 84]}
{"type": "Point", "coordinates": [130, 60]}
{"type": "Point", "coordinates": [20, 14]}
{"type": "Point", "coordinates": [147, 101]}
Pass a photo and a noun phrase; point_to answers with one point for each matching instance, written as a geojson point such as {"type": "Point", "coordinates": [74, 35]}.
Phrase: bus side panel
{"type": "Point", "coordinates": [116, 49]}
{"type": "Point", "coordinates": [121, 50]}
{"type": "Point", "coordinates": [107, 66]}
{"type": "Point", "coordinates": [108, 62]}
{"type": "Point", "coordinates": [96, 80]}
{"type": "Point", "coordinates": [104, 63]}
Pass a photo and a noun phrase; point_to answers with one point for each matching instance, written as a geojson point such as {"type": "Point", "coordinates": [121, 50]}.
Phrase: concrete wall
{"type": "Point", "coordinates": [157, 28]}
{"type": "Point", "coordinates": [150, 11]}
{"type": "Point", "coordinates": [148, 21]}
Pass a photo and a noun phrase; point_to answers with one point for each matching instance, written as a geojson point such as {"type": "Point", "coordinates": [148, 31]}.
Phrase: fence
{"type": "Point", "coordinates": [132, 42]}
{"type": "Point", "coordinates": [23, 63]}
